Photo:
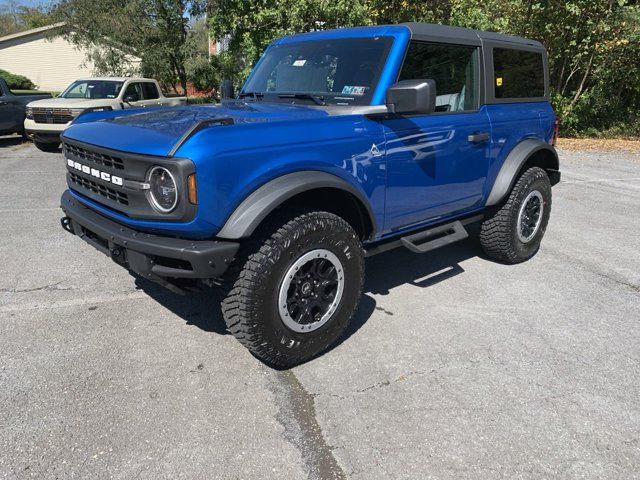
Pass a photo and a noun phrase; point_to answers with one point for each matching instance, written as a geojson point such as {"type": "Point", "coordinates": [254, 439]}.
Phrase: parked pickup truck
{"type": "Point", "coordinates": [47, 119]}
{"type": "Point", "coordinates": [341, 144]}
{"type": "Point", "coordinates": [12, 108]}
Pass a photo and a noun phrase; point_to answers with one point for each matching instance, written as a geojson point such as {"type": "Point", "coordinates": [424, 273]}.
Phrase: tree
{"type": "Point", "coordinates": [200, 71]}
{"type": "Point", "coordinates": [593, 45]}
{"type": "Point", "coordinates": [116, 32]}
{"type": "Point", "coordinates": [251, 25]}
{"type": "Point", "coordinates": [16, 18]}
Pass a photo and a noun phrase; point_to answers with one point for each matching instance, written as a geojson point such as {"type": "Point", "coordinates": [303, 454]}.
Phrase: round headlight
{"type": "Point", "coordinates": [163, 190]}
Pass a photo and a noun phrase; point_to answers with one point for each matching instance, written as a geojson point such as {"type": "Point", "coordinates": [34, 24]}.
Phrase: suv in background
{"type": "Point", "coordinates": [340, 145]}
{"type": "Point", "coordinates": [46, 119]}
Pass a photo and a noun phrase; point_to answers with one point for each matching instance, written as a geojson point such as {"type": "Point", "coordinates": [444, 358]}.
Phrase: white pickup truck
{"type": "Point", "coordinates": [46, 119]}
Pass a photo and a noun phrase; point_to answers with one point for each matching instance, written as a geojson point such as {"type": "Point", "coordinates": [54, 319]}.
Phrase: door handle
{"type": "Point", "coordinates": [478, 137]}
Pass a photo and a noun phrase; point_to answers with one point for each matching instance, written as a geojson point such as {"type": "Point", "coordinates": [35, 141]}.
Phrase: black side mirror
{"type": "Point", "coordinates": [226, 89]}
{"type": "Point", "coordinates": [412, 97]}
{"type": "Point", "coordinates": [131, 97]}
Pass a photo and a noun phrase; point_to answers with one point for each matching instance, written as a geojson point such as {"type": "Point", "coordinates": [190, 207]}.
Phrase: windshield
{"type": "Point", "coordinates": [93, 89]}
{"type": "Point", "coordinates": [339, 72]}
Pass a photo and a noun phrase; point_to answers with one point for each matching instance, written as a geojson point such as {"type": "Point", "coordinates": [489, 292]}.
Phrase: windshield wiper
{"type": "Point", "coordinates": [255, 95]}
{"type": "Point", "coordinates": [319, 100]}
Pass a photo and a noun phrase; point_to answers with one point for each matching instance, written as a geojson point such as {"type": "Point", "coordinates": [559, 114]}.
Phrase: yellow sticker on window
{"type": "Point", "coordinates": [499, 82]}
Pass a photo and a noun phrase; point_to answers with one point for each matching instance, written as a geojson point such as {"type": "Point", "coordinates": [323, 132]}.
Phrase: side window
{"type": "Point", "coordinates": [150, 91]}
{"type": "Point", "coordinates": [135, 90]}
{"type": "Point", "coordinates": [518, 73]}
{"type": "Point", "coordinates": [454, 69]}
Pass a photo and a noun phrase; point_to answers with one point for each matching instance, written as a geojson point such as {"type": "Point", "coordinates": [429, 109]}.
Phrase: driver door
{"type": "Point", "coordinates": [437, 163]}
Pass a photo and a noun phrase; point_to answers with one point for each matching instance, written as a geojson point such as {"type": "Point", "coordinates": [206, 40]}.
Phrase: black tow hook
{"type": "Point", "coordinates": [66, 224]}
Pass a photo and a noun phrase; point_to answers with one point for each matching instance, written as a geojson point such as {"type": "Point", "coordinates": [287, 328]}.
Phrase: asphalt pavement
{"type": "Point", "coordinates": [455, 367]}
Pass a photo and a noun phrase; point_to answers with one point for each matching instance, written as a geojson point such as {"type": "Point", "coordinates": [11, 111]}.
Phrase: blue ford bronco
{"type": "Point", "coordinates": [340, 145]}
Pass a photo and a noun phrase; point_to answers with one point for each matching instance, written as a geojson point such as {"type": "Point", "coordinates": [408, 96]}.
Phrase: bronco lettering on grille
{"type": "Point", "coordinates": [94, 172]}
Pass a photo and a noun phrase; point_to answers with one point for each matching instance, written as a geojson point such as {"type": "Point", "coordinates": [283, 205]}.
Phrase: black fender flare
{"type": "Point", "coordinates": [259, 204]}
{"type": "Point", "coordinates": [513, 164]}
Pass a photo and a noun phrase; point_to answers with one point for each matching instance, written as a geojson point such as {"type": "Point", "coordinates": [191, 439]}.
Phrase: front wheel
{"type": "Point", "coordinates": [512, 233]}
{"type": "Point", "coordinates": [48, 147]}
{"type": "Point", "coordinates": [294, 287]}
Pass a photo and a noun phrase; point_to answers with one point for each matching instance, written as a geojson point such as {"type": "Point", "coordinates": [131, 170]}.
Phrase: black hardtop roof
{"type": "Point", "coordinates": [444, 33]}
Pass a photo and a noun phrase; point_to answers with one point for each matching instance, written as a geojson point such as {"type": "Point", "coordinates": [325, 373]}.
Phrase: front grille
{"type": "Point", "coordinates": [52, 115]}
{"type": "Point", "coordinates": [114, 179]}
{"type": "Point", "coordinates": [94, 157]}
{"type": "Point", "coordinates": [95, 187]}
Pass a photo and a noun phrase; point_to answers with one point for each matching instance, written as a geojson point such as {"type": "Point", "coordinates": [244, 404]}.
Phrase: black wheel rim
{"type": "Point", "coordinates": [311, 291]}
{"type": "Point", "coordinates": [530, 216]}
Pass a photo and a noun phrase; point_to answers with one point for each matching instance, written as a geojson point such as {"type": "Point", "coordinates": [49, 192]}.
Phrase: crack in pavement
{"type": "Point", "coordinates": [297, 414]}
{"type": "Point", "coordinates": [386, 383]}
{"type": "Point", "coordinates": [592, 268]}
{"type": "Point", "coordinates": [382, 384]}
{"type": "Point", "coordinates": [48, 287]}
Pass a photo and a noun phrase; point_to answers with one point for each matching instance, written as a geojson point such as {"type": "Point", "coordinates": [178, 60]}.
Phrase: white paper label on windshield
{"type": "Point", "coordinates": [299, 63]}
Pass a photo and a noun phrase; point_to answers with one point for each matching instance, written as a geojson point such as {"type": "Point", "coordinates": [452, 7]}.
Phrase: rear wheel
{"type": "Point", "coordinates": [512, 233]}
{"type": "Point", "coordinates": [47, 146]}
{"type": "Point", "coordinates": [294, 287]}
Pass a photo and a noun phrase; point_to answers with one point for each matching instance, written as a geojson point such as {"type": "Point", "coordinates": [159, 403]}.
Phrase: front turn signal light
{"type": "Point", "coordinates": [193, 194]}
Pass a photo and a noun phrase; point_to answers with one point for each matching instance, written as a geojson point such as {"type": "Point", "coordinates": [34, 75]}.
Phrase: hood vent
{"type": "Point", "coordinates": [196, 127]}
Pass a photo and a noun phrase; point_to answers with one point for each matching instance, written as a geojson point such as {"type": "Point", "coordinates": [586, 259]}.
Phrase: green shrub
{"type": "Point", "coordinates": [17, 82]}
{"type": "Point", "coordinates": [201, 100]}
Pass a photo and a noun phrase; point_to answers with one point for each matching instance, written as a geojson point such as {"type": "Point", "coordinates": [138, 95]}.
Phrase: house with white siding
{"type": "Point", "coordinates": [51, 63]}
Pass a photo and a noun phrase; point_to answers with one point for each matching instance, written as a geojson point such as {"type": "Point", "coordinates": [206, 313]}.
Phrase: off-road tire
{"type": "Point", "coordinates": [252, 284]}
{"type": "Point", "coordinates": [48, 147]}
{"type": "Point", "coordinates": [499, 231]}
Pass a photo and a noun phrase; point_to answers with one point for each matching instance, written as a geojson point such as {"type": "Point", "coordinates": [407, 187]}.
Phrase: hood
{"type": "Point", "coordinates": [159, 130]}
{"type": "Point", "coordinates": [72, 102]}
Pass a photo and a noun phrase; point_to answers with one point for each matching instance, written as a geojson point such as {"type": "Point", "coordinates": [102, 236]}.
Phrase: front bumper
{"type": "Point", "coordinates": [164, 260]}
{"type": "Point", "coordinates": [44, 132]}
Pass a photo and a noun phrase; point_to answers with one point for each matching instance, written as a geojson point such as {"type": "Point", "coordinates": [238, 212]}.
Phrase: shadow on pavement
{"type": "Point", "coordinates": [400, 266]}
{"type": "Point", "coordinates": [201, 309]}
{"type": "Point", "coordinates": [11, 141]}
{"type": "Point", "coordinates": [384, 272]}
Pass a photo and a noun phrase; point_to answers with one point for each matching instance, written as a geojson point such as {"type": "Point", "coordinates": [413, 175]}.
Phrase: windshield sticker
{"type": "Point", "coordinates": [358, 91]}
{"type": "Point", "coordinates": [299, 63]}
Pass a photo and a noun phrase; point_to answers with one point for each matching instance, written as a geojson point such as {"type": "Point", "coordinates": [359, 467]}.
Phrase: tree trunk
{"type": "Point", "coordinates": [578, 94]}
{"type": "Point", "coordinates": [183, 82]}
{"type": "Point", "coordinates": [561, 75]}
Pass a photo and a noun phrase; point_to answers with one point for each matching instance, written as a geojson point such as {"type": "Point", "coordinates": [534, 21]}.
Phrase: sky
{"type": "Point", "coordinates": [26, 3]}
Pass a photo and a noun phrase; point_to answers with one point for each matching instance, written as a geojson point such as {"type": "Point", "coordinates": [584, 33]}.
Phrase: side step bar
{"type": "Point", "coordinates": [435, 238]}
{"type": "Point", "coordinates": [429, 239]}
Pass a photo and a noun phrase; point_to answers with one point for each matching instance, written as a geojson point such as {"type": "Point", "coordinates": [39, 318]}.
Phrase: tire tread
{"type": "Point", "coordinates": [496, 235]}
{"type": "Point", "coordinates": [243, 279]}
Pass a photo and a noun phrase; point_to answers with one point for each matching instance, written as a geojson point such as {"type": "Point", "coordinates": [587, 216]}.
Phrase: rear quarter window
{"type": "Point", "coordinates": [518, 73]}
{"type": "Point", "coordinates": [150, 91]}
